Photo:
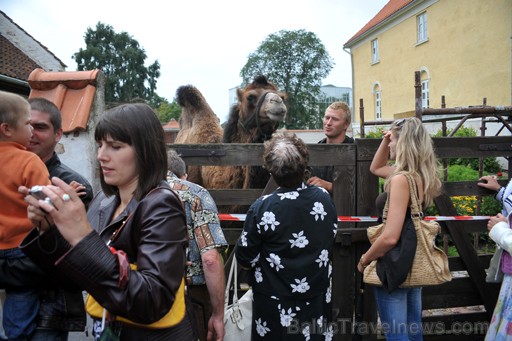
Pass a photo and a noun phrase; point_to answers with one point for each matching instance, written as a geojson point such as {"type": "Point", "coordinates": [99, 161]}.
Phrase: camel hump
{"type": "Point", "coordinates": [190, 97]}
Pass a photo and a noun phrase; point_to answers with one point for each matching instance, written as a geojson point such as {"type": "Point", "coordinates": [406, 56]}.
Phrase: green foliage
{"type": "Point", "coordinates": [461, 132]}
{"type": "Point", "coordinates": [121, 59]}
{"type": "Point", "coordinates": [490, 206]}
{"type": "Point", "coordinates": [461, 173]}
{"type": "Point", "coordinates": [165, 110]}
{"type": "Point", "coordinates": [490, 164]}
{"type": "Point", "coordinates": [296, 62]}
{"type": "Point", "coordinates": [374, 134]}
{"type": "Point", "coordinates": [466, 205]}
{"type": "Point", "coordinates": [452, 251]}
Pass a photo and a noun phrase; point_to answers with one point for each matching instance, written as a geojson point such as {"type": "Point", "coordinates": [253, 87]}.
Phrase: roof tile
{"type": "Point", "coordinates": [388, 10]}
{"type": "Point", "coordinates": [72, 92]}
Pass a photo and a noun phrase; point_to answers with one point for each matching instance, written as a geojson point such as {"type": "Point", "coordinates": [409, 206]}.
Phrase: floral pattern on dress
{"type": "Point", "coordinates": [288, 195]}
{"type": "Point", "coordinates": [243, 239]}
{"type": "Point", "coordinates": [275, 261]}
{"type": "Point", "coordinates": [261, 327]}
{"type": "Point", "coordinates": [301, 285]}
{"type": "Point", "coordinates": [318, 211]}
{"type": "Point", "coordinates": [300, 240]}
{"type": "Point", "coordinates": [286, 241]}
{"type": "Point", "coordinates": [323, 259]}
{"type": "Point", "coordinates": [328, 295]}
{"type": "Point", "coordinates": [286, 316]}
{"type": "Point", "coordinates": [255, 260]}
{"type": "Point", "coordinates": [329, 333]}
{"type": "Point", "coordinates": [269, 220]}
{"type": "Point", "coordinates": [258, 276]}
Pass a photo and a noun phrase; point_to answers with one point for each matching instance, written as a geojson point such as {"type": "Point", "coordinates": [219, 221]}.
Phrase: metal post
{"type": "Point", "coordinates": [361, 117]}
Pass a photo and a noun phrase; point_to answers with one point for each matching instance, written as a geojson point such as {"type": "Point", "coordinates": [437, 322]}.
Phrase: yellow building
{"type": "Point", "coordinates": [463, 49]}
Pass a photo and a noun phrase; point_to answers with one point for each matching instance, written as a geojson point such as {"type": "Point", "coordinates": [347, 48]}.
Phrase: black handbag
{"type": "Point", "coordinates": [394, 267]}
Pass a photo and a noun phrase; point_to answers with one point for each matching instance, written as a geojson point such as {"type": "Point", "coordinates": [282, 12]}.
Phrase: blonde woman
{"type": "Point", "coordinates": [411, 147]}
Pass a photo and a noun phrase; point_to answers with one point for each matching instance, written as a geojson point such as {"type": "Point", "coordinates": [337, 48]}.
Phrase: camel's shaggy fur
{"type": "Point", "coordinates": [198, 124]}
{"type": "Point", "coordinates": [253, 119]}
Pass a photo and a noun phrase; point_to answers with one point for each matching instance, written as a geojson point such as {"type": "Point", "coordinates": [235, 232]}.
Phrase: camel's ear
{"type": "Point", "coordinates": [240, 95]}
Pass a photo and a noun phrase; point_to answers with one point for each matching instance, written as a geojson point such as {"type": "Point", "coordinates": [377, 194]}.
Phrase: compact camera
{"type": "Point", "coordinates": [37, 192]}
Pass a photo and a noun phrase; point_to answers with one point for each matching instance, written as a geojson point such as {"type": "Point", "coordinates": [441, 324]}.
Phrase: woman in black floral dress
{"type": "Point", "coordinates": [287, 242]}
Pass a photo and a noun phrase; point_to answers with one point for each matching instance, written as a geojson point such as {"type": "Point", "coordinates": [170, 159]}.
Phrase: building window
{"type": "Point", "coordinates": [378, 111]}
{"type": "Point", "coordinates": [422, 27]}
{"type": "Point", "coordinates": [425, 94]}
{"type": "Point", "coordinates": [375, 51]}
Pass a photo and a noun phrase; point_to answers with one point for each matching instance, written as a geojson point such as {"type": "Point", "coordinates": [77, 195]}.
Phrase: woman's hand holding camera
{"type": "Point", "coordinates": [64, 209]}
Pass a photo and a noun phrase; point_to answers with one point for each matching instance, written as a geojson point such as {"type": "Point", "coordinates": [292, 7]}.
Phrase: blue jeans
{"type": "Point", "coordinates": [400, 313]}
{"type": "Point", "coordinates": [20, 312]}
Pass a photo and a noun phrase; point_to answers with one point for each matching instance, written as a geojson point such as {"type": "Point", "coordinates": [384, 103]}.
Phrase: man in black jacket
{"type": "Point", "coordinates": [62, 307]}
{"type": "Point", "coordinates": [336, 121]}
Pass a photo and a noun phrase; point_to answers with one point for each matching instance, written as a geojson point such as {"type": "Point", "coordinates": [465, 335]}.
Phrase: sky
{"type": "Point", "coordinates": [204, 43]}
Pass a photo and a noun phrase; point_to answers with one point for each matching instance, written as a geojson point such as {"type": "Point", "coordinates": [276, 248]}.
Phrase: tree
{"type": "Point", "coordinates": [296, 62]}
{"type": "Point", "coordinates": [121, 59]}
{"type": "Point", "coordinates": [165, 110]}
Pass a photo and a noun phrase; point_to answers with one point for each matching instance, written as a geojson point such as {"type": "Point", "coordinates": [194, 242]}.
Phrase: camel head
{"type": "Point", "coordinates": [261, 106]}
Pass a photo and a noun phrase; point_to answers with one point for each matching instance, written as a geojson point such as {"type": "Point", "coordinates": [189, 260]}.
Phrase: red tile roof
{"type": "Point", "coordinates": [388, 10]}
{"type": "Point", "coordinates": [72, 92]}
{"type": "Point", "coordinates": [172, 124]}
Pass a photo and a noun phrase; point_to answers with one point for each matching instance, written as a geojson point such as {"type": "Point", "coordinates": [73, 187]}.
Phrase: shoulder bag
{"type": "Point", "coordinates": [238, 315]}
{"type": "Point", "coordinates": [172, 318]}
{"type": "Point", "coordinates": [430, 263]}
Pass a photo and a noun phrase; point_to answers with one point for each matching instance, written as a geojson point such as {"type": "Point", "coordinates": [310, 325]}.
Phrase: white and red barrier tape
{"type": "Point", "coordinates": [358, 219]}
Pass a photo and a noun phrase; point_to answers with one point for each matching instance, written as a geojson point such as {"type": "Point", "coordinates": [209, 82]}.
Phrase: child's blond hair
{"type": "Point", "coordinates": [11, 108]}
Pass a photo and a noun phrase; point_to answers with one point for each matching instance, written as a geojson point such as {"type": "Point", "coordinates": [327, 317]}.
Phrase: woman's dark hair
{"type": "Point", "coordinates": [286, 157]}
{"type": "Point", "coordinates": [137, 125]}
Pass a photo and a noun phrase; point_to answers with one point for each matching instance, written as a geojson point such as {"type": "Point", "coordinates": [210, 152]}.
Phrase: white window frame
{"type": "Point", "coordinates": [421, 21]}
{"type": "Point", "coordinates": [375, 51]}
{"type": "Point", "coordinates": [378, 105]}
{"type": "Point", "coordinates": [425, 93]}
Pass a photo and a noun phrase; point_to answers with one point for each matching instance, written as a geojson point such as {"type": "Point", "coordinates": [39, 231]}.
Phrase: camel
{"type": "Point", "coordinates": [198, 124]}
{"type": "Point", "coordinates": [253, 119]}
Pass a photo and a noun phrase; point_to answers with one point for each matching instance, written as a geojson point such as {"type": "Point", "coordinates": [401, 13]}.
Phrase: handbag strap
{"type": "Point", "coordinates": [415, 205]}
{"type": "Point", "coordinates": [233, 273]}
{"type": "Point", "coordinates": [386, 209]}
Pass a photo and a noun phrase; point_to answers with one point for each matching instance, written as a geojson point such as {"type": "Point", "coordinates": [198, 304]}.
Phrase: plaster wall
{"type": "Point", "coordinates": [468, 56]}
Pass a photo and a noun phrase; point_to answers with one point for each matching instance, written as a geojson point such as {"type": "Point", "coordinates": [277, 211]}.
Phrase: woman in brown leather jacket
{"type": "Point", "coordinates": [137, 214]}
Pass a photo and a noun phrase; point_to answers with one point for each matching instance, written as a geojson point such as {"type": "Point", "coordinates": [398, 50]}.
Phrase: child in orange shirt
{"type": "Point", "coordinates": [19, 276]}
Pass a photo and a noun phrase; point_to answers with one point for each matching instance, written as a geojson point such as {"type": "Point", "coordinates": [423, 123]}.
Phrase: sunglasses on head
{"type": "Point", "coordinates": [399, 123]}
